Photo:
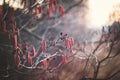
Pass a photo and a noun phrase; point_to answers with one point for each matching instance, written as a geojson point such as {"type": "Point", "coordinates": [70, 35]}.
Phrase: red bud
{"type": "Point", "coordinates": [29, 59]}
{"type": "Point", "coordinates": [63, 59]}
{"type": "Point", "coordinates": [15, 41]}
{"type": "Point", "coordinates": [43, 45]}
{"type": "Point", "coordinates": [44, 63]}
{"type": "Point", "coordinates": [40, 9]}
{"type": "Point", "coordinates": [61, 10]}
{"type": "Point", "coordinates": [33, 51]}
{"type": "Point", "coordinates": [17, 60]}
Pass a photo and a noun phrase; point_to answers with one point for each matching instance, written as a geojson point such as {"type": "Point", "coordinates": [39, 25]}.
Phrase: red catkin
{"type": "Point", "coordinates": [61, 10]}
{"type": "Point", "coordinates": [40, 9]}
{"type": "Point", "coordinates": [64, 59]}
{"type": "Point", "coordinates": [72, 41]}
{"type": "Point", "coordinates": [29, 59]}
{"type": "Point", "coordinates": [18, 32]}
{"type": "Point", "coordinates": [15, 41]}
{"type": "Point", "coordinates": [36, 10]}
{"type": "Point", "coordinates": [14, 25]}
{"type": "Point", "coordinates": [18, 51]}
{"type": "Point", "coordinates": [33, 51]}
{"type": "Point", "coordinates": [43, 45]}
{"type": "Point", "coordinates": [17, 60]}
{"type": "Point", "coordinates": [44, 63]}
{"type": "Point", "coordinates": [53, 6]}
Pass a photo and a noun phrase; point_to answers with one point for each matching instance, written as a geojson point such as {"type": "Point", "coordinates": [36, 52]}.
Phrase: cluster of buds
{"type": "Point", "coordinates": [51, 8]}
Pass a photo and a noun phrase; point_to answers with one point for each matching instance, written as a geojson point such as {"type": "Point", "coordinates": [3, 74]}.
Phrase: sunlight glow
{"type": "Point", "coordinates": [99, 11]}
{"type": "Point", "coordinates": [15, 4]}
